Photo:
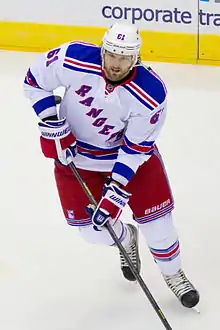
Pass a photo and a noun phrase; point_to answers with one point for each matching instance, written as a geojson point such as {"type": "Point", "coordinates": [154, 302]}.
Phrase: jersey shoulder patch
{"type": "Point", "coordinates": [147, 87]}
{"type": "Point", "coordinates": [83, 57]}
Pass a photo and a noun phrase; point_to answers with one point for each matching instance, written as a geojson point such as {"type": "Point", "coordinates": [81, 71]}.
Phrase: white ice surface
{"type": "Point", "coordinates": [50, 279]}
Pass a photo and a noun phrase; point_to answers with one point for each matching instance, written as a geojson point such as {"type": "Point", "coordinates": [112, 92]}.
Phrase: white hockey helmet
{"type": "Point", "coordinates": [122, 39]}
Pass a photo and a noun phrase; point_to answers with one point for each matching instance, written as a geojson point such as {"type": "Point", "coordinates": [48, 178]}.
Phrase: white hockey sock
{"type": "Point", "coordinates": [103, 237]}
{"type": "Point", "coordinates": [163, 243]}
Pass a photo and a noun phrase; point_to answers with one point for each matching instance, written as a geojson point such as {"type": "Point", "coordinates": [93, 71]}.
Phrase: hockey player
{"type": "Point", "coordinates": [110, 116]}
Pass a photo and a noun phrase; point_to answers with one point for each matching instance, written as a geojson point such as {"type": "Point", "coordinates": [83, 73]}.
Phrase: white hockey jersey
{"type": "Point", "coordinates": [115, 125]}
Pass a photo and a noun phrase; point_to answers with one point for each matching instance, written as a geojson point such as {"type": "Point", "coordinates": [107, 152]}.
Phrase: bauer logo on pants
{"type": "Point", "coordinates": [157, 207]}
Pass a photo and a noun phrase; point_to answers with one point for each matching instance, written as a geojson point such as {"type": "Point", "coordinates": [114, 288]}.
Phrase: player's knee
{"type": "Point", "coordinates": [160, 231]}
{"type": "Point", "coordinates": [90, 235]}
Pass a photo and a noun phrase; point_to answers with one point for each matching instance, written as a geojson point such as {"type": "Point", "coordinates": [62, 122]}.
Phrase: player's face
{"type": "Point", "coordinates": [116, 67]}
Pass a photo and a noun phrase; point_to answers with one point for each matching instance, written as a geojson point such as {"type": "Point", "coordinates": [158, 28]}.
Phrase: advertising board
{"type": "Point", "coordinates": [209, 29]}
{"type": "Point", "coordinates": [177, 31]}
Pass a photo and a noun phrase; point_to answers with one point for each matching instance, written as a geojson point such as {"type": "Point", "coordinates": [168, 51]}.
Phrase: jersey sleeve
{"type": "Point", "coordinates": [138, 143]}
{"type": "Point", "coordinates": [42, 78]}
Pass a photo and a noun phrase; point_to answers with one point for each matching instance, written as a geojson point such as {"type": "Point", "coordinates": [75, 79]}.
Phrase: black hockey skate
{"type": "Point", "coordinates": [183, 289]}
{"type": "Point", "coordinates": [133, 253]}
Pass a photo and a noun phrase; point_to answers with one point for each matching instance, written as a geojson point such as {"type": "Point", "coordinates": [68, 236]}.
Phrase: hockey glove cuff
{"type": "Point", "coordinates": [57, 140]}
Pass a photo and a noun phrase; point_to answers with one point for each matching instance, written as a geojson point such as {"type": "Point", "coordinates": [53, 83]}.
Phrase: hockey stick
{"type": "Point", "coordinates": [122, 250]}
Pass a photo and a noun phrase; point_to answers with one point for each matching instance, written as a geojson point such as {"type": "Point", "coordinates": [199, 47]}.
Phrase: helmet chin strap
{"type": "Point", "coordinates": [102, 56]}
{"type": "Point", "coordinates": [135, 58]}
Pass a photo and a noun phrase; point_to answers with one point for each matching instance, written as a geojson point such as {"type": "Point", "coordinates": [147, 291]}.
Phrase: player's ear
{"type": "Point", "coordinates": [139, 59]}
